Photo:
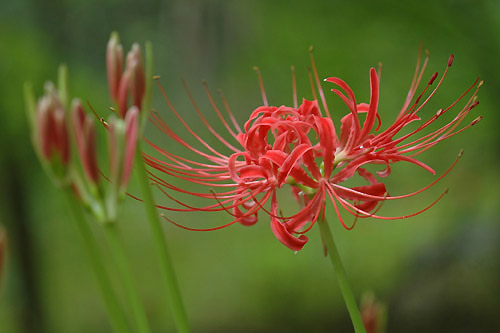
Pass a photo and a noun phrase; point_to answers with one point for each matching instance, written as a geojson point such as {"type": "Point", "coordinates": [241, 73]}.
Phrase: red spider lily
{"type": "Point", "coordinates": [299, 146]}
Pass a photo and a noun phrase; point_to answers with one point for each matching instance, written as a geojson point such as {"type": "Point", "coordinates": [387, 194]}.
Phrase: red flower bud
{"type": "Point", "coordinates": [53, 139]}
{"type": "Point", "coordinates": [85, 136]}
{"type": "Point", "coordinates": [133, 82]}
{"type": "Point", "coordinates": [131, 135]}
{"type": "Point", "coordinates": [114, 65]}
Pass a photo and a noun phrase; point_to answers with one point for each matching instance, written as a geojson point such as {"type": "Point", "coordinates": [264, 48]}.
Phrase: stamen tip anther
{"type": "Point", "coordinates": [480, 83]}
{"type": "Point", "coordinates": [450, 60]}
{"type": "Point", "coordinates": [311, 48]}
{"type": "Point", "coordinates": [461, 152]}
{"type": "Point", "coordinates": [156, 77]}
{"type": "Point", "coordinates": [433, 78]}
{"type": "Point", "coordinates": [475, 121]}
{"type": "Point", "coordinates": [446, 190]}
{"type": "Point", "coordinates": [439, 112]}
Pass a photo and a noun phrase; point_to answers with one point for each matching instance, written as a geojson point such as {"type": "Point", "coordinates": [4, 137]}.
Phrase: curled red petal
{"type": "Point", "coordinates": [285, 237]}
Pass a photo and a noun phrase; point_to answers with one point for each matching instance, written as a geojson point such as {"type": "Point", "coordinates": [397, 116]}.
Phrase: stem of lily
{"type": "Point", "coordinates": [345, 288]}
{"type": "Point", "coordinates": [173, 293]}
{"type": "Point", "coordinates": [116, 314]}
{"type": "Point", "coordinates": [120, 258]}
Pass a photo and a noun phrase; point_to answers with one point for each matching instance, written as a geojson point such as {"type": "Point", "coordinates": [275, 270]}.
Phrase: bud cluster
{"type": "Point", "coordinates": [57, 130]}
{"type": "Point", "coordinates": [128, 84]}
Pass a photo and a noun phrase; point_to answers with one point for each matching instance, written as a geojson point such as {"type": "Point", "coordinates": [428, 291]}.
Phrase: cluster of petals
{"type": "Point", "coordinates": [299, 147]}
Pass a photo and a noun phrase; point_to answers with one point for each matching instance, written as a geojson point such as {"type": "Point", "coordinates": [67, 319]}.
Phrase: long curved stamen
{"type": "Point", "coordinates": [376, 197]}
{"type": "Point", "coordinates": [162, 125]}
{"type": "Point", "coordinates": [228, 110]}
{"type": "Point", "coordinates": [204, 120]}
{"type": "Point", "coordinates": [318, 83]}
{"type": "Point", "coordinates": [348, 205]}
{"type": "Point", "coordinates": [294, 88]}
{"type": "Point", "coordinates": [261, 85]}
{"type": "Point", "coordinates": [219, 114]}
{"type": "Point", "coordinates": [186, 126]}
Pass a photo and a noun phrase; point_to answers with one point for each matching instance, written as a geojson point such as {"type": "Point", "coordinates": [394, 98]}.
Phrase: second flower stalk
{"type": "Point", "coordinates": [57, 127]}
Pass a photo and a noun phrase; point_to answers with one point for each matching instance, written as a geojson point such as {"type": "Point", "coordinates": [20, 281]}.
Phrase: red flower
{"type": "Point", "coordinates": [299, 146]}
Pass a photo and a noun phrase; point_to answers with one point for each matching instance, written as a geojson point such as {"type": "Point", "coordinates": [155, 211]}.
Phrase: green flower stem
{"type": "Point", "coordinates": [115, 311]}
{"type": "Point", "coordinates": [345, 288]}
{"type": "Point", "coordinates": [173, 292]}
{"type": "Point", "coordinates": [120, 258]}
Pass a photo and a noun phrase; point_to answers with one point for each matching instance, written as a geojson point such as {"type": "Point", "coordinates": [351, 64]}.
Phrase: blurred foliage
{"type": "Point", "coordinates": [437, 272]}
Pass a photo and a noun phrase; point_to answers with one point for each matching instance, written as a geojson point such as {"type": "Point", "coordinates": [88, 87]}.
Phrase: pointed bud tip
{"type": "Point", "coordinates": [115, 36]}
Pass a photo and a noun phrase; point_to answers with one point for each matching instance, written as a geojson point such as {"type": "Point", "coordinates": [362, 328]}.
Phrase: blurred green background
{"type": "Point", "coordinates": [437, 272]}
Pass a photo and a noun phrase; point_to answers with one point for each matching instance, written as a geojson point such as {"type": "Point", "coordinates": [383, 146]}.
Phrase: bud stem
{"type": "Point", "coordinates": [338, 267]}
{"type": "Point", "coordinates": [173, 293]}
{"type": "Point", "coordinates": [115, 311]}
{"type": "Point", "coordinates": [121, 260]}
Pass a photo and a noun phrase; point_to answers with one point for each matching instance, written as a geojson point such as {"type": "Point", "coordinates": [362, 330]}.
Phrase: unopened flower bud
{"type": "Point", "coordinates": [133, 81]}
{"type": "Point", "coordinates": [135, 62]}
{"type": "Point", "coordinates": [53, 139]}
{"type": "Point", "coordinates": [85, 135]}
{"type": "Point", "coordinates": [131, 135]}
{"type": "Point", "coordinates": [44, 123]}
{"type": "Point", "coordinates": [373, 314]}
{"type": "Point", "coordinates": [114, 65]}
{"type": "Point", "coordinates": [61, 137]}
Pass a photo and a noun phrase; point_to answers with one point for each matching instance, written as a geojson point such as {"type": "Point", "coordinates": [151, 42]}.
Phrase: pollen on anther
{"type": "Point", "coordinates": [475, 121]}
{"type": "Point", "coordinates": [156, 77]}
{"type": "Point", "coordinates": [450, 60]}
